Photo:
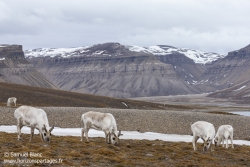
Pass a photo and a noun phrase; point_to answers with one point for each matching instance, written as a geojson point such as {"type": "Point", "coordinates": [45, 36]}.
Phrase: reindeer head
{"type": "Point", "coordinates": [216, 141]}
{"type": "Point", "coordinates": [46, 133]}
{"type": "Point", "coordinates": [114, 138]}
{"type": "Point", "coordinates": [207, 144]}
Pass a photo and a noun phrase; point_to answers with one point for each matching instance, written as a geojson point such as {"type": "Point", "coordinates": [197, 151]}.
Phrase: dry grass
{"type": "Point", "coordinates": [36, 96]}
{"type": "Point", "coordinates": [158, 153]}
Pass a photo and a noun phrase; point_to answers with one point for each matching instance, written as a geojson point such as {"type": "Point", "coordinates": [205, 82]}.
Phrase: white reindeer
{"type": "Point", "coordinates": [33, 118]}
{"type": "Point", "coordinates": [205, 131]}
{"type": "Point", "coordinates": [224, 132]}
{"type": "Point", "coordinates": [101, 121]}
{"type": "Point", "coordinates": [10, 101]}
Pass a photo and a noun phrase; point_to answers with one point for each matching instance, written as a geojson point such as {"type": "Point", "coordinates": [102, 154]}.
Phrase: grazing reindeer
{"type": "Point", "coordinates": [205, 131]}
{"type": "Point", "coordinates": [101, 121]}
{"type": "Point", "coordinates": [224, 132]}
{"type": "Point", "coordinates": [33, 118]}
{"type": "Point", "coordinates": [11, 100]}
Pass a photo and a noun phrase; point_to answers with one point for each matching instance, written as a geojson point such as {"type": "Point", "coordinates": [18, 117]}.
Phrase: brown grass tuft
{"type": "Point", "coordinates": [128, 153]}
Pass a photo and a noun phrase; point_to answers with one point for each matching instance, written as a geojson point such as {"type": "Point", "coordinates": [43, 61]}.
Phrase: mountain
{"type": "Point", "coordinates": [237, 92]}
{"type": "Point", "coordinates": [230, 70]}
{"type": "Point", "coordinates": [14, 68]}
{"type": "Point", "coordinates": [116, 70]}
{"type": "Point", "coordinates": [232, 74]}
{"type": "Point", "coordinates": [197, 56]}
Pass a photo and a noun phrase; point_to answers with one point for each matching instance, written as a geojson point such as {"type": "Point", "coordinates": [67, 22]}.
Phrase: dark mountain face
{"type": "Point", "coordinates": [15, 68]}
{"type": "Point", "coordinates": [116, 70]}
{"type": "Point", "coordinates": [183, 66]}
{"type": "Point", "coordinates": [230, 70]}
{"type": "Point", "coordinates": [113, 70]}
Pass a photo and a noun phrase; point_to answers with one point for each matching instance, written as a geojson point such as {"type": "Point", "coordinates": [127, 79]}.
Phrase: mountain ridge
{"type": "Point", "coordinates": [116, 70]}
{"type": "Point", "coordinates": [123, 71]}
{"type": "Point", "coordinates": [197, 56]}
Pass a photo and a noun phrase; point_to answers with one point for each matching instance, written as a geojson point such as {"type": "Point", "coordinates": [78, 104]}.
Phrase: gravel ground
{"type": "Point", "coordinates": [161, 121]}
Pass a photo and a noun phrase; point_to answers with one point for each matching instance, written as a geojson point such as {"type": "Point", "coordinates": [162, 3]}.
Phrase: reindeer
{"type": "Point", "coordinates": [33, 118]}
{"type": "Point", "coordinates": [11, 100]}
{"type": "Point", "coordinates": [101, 121]}
{"type": "Point", "coordinates": [224, 132]}
{"type": "Point", "coordinates": [205, 131]}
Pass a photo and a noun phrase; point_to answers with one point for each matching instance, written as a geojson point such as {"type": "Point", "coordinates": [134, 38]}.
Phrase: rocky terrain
{"type": "Point", "coordinates": [160, 121]}
{"type": "Point", "coordinates": [230, 70]}
{"type": "Point", "coordinates": [14, 68]}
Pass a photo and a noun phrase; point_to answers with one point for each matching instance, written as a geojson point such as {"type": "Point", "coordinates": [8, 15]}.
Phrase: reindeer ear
{"type": "Point", "coordinates": [51, 128]}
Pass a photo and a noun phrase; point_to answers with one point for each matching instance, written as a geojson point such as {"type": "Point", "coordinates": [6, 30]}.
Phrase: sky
{"type": "Point", "coordinates": [218, 26]}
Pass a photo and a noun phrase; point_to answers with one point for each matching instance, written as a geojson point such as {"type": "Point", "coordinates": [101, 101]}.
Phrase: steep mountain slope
{"type": "Point", "coordinates": [237, 92]}
{"type": "Point", "coordinates": [115, 70]}
{"type": "Point", "coordinates": [230, 70]}
{"type": "Point", "coordinates": [232, 75]}
{"type": "Point", "coordinates": [15, 68]}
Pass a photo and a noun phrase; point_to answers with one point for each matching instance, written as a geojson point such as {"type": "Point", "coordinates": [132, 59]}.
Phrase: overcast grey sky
{"type": "Point", "coordinates": [209, 25]}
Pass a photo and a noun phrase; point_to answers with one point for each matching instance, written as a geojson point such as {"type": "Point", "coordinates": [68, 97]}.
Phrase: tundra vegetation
{"type": "Point", "coordinates": [156, 153]}
{"type": "Point", "coordinates": [73, 152]}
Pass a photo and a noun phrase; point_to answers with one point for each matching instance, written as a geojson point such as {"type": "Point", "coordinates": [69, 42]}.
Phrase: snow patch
{"type": "Point", "coordinates": [126, 134]}
{"type": "Point", "coordinates": [197, 56]}
{"type": "Point", "coordinates": [240, 88]}
{"type": "Point", "coordinates": [52, 52]}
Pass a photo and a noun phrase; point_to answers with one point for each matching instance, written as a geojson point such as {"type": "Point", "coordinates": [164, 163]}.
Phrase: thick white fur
{"type": "Point", "coordinates": [224, 132]}
{"type": "Point", "coordinates": [33, 118]}
{"type": "Point", "coordinates": [11, 100]}
{"type": "Point", "coordinates": [205, 131]}
{"type": "Point", "coordinates": [100, 121]}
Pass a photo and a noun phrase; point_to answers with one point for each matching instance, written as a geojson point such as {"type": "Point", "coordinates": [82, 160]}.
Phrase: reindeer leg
{"type": "Point", "coordinates": [86, 134]}
{"type": "Point", "coordinates": [231, 138]}
{"type": "Point", "coordinates": [227, 142]}
{"type": "Point", "coordinates": [82, 136]}
{"type": "Point", "coordinates": [31, 133]}
{"type": "Point", "coordinates": [106, 136]}
{"type": "Point", "coordinates": [195, 138]}
{"type": "Point", "coordinates": [19, 127]}
{"type": "Point", "coordinates": [222, 142]}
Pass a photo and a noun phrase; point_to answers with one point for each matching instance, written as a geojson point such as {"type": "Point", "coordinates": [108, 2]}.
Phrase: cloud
{"type": "Point", "coordinates": [218, 26]}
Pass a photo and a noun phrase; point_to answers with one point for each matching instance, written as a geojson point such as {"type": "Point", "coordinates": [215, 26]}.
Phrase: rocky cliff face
{"type": "Point", "coordinates": [230, 70]}
{"type": "Point", "coordinates": [15, 68]}
{"type": "Point", "coordinates": [231, 75]}
{"type": "Point", "coordinates": [116, 70]}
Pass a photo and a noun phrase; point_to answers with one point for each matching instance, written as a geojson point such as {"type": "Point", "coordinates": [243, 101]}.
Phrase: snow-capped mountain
{"type": "Point", "coordinates": [197, 56]}
{"type": "Point", "coordinates": [53, 52]}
